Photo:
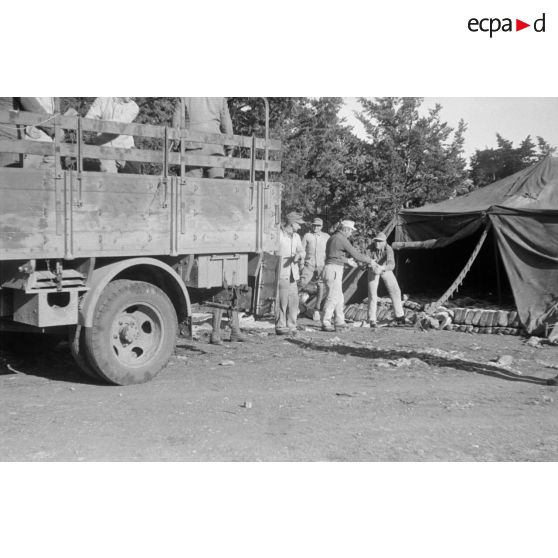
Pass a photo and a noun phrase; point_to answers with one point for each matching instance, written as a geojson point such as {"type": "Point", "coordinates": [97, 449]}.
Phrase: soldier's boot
{"type": "Point", "coordinates": [215, 338]}
{"type": "Point", "coordinates": [236, 335]}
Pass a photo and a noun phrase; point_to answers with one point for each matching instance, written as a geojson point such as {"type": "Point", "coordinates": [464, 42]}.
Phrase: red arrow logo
{"type": "Point", "coordinates": [519, 25]}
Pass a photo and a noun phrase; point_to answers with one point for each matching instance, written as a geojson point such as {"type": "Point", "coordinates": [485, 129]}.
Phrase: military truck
{"type": "Point", "coordinates": [116, 261]}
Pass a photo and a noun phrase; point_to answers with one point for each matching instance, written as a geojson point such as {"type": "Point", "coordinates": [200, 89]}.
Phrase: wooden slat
{"type": "Point", "coordinates": [13, 117]}
{"type": "Point", "coordinates": [127, 129]}
{"type": "Point", "coordinates": [30, 147]}
{"type": "Point", "coordinates": [134, 129]}
{"type": "Point", "coordinates": [139, 155]}
{"type": "Point", "coordinates": [224, 162]}
{"type": "Point", "coordinates": [126, 215]}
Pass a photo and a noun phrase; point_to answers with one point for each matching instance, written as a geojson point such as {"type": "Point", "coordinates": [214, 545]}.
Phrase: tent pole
{"type": "Point", "coordinates": [390, 227]}
{"type": "Point", "coordinates": [497, 262]}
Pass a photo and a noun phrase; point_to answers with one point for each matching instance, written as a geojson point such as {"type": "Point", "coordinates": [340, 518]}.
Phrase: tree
{"type": "Point", "coordinates": [318, 149]}
{"type": "Point", "coordinates": [409, 160]}
{"type": "Point", "coordinates": [545, 149]}
{"type": "Point", "coordinates": [489, 165]}
{"type": "Point", "coordinates": [315, 156]}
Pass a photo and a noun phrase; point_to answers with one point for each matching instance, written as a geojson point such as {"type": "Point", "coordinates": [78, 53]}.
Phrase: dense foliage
{"type": "Point", "coordinates": [489, 165]}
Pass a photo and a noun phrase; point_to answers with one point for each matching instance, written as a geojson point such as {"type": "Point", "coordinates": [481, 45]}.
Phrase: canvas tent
{"type": "Point", "coordinates": [511, 225]}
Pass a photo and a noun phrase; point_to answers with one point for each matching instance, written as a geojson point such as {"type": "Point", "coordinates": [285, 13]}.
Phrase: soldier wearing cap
{"type": "Point", "coordinates": [339, 251]}
{"type": "Point", "coordinates": [291, 252]}
{"type": "Point", "coordinates": [314, 244]}
{"type": "Point", "coordinates": [383, 266]}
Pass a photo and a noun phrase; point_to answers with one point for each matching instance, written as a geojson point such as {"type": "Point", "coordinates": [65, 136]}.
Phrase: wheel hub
{"type": "Point", "coordinates": [128, 332]}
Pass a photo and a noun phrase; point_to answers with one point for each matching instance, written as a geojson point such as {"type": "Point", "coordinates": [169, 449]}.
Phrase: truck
{"type": "Point", "coordinates": [115, 262]}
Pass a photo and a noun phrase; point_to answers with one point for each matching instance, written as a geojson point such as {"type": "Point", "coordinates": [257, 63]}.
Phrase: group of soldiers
{"type": "Point", "coordinates": [198, 114]}
{"type": "Point", "coordinates": [116, 109]}
{"type": "Point", "coordinates": [321, 258]}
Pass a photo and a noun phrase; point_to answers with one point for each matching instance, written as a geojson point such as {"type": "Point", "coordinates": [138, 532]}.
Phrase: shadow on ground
{"type": "Point", "coordinates": [56, 364]}
{"type": "Point", "coordinates": [432, 360]}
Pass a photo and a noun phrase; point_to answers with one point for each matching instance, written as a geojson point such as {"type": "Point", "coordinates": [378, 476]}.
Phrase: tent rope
{"type": "Point", "coordinates": [432, 307]}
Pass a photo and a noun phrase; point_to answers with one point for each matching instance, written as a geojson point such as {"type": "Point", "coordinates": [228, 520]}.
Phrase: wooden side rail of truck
{"type": "Point", "coordinates": [116, 260]}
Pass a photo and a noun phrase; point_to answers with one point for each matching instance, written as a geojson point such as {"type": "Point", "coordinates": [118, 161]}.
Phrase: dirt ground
{"type": "Point", "coordinates": [393, 394]}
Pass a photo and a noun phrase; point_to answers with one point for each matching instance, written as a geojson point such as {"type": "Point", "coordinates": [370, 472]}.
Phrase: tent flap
{"type": "Point", "coordinates": [523, 209]}
{"type": "Point", "coordinates": [463, 232]}
{"type": "Point", "coordinates": [529, 250]}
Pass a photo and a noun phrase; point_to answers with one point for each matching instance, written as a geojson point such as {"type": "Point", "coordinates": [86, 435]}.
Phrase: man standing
{"type": "Point", "coordinates": [208, 115]}
{"type": "Point", "coordinates": [314, 245]}
{"type": "Point", "coordinates": [117, 109]}
{"type": "Point", "coordinates": [46, 107]}
{"type": "Point", "coordinates": [291, 252]}
{"type": "Point", "coordinates": [383, 266]}
{"type": "Point", "coordinates": [338, 251]}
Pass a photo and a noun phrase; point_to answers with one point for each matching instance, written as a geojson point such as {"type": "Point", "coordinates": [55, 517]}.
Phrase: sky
{"type": "Point", "coordinates": [512, 117]}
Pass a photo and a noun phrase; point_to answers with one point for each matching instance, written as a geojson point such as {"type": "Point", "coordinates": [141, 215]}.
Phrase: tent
{"type": "Point", "coordinates": [506, 233]}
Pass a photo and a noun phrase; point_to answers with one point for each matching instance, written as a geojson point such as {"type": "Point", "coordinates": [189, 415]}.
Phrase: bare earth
{"type": "Point", "coordinates": [395, 394]}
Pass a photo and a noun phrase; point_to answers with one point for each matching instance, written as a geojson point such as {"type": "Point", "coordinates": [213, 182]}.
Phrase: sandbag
{"type": "Point", "coordinates": [502, 318]}
{"type": "Point", "coordinates": [350, 312]}
{"type": "Point", "coordinates": [459, 315]}
{"type": "Point", "coordinates": [469, 315]}
{"type": "Point", "coordinates": [476, 317]}
{"type": "Point", "coordinates": [486, 318]}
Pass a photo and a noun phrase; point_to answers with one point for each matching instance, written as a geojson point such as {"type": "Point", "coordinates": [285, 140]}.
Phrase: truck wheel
{"type": "Point", "coordinates": [133, 333]}
{"type": "Point", "coordinates": [76, 340]}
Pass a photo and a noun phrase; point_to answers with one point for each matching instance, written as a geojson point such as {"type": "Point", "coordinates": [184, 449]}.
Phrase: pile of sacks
{"type": "Point", "coordinates": [358, 313]}
{"type": "Point", "coordinates": [480, 320]}
{"type": "Point", "coordinates": [449, 317]}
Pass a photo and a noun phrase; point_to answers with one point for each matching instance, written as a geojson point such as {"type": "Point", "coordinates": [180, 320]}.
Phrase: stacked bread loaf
{"type": "Point", "coordinates": [469, 320]}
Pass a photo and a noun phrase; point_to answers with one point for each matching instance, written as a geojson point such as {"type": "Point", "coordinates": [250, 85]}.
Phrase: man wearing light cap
{"type": "Point", "coordinates": [383, 266]}
{"type": "Point", "coordinates": [339, 250]}
{"type": "Point", "coordinates": [291, 252]}
{"type": "Point", "coordinates": [314, 244]}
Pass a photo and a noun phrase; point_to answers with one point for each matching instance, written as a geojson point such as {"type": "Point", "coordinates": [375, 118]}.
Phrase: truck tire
{"type": "Point", "coordinates": [76, 339]}
{"type": "Point", "coordinates": [133, 333]}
